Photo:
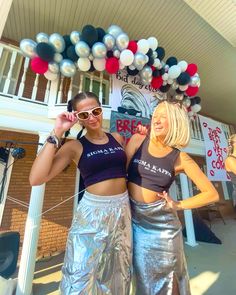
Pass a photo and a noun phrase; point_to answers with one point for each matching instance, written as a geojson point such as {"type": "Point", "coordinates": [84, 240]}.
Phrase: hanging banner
{"type": "Point", "coordinates": [129, 93]}
{"type": "Point", "coordinates": [216, 149]}
{"type": "Point", "coordinates": [126, 124]}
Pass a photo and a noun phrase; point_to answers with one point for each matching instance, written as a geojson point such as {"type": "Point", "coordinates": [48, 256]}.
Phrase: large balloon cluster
{"type": "Point", "coordinates": [97, 50]}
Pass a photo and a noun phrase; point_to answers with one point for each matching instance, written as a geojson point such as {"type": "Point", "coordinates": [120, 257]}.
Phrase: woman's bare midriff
{"type": "Point", "coordinates": [141, 194]}
{"type": "Point", "coordinates": [108, 187]}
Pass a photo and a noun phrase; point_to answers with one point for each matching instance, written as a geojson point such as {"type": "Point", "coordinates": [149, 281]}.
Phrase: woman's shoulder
{"type": "Point", "coordinates": [229, 162]}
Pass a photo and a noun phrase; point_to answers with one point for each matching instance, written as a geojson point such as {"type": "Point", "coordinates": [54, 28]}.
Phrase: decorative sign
{"type": "Point", "coordinates": [216, 149]}
{"type": "Point", "coordinates": [126, 124]}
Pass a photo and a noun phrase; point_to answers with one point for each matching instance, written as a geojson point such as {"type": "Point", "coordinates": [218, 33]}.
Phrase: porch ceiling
{"type": "Point", "coordinates": [203, 32]}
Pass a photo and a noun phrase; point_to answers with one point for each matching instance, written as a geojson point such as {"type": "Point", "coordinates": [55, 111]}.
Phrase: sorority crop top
{"type": "Point", "coordinates": [156, 174]}
{"type": "Point", "coordinates": [100, 162]}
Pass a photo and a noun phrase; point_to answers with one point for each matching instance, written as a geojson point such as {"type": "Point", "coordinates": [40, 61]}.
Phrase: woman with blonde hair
{"type": "Point", "coordinates": [153, 162]}
{"type": "Point", "coordinates": [230, 165]}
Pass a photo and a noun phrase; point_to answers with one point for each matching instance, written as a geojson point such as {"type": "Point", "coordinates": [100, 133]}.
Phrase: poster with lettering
{"type": "Point", "coordinates": [129, 93]}
{"type": "Point", "coordinates": [126, 124]}
{"type": "Point", "coordinates": [216, 149]}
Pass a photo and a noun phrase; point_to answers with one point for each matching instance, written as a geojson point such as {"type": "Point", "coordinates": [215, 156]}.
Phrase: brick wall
{"type": "Point", "coordinates": [55, 224]}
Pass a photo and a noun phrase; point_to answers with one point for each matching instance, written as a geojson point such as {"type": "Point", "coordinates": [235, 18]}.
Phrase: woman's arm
{"type": "Point", "coordinates": [230, 164]}
{"type": "Point", "coordinates": [49, 162]}
{"type": "Point", "coordinates": [208, 193]}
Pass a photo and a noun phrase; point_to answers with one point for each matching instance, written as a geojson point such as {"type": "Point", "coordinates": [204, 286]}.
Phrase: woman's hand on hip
{"type": "Point", "coordinates": [175, 205]}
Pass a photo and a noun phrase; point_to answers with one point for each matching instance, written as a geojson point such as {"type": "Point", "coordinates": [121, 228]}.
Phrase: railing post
{"type": "Point", "coordinates": [52, 98]}
{"type": "Point", "coordinates": [22, 83]}
{"type": "Point", "coordinates": [9, 75]}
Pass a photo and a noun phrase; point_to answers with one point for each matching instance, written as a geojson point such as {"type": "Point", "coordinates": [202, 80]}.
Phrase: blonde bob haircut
{"type": "Point", "coordinates": [178, 134]}
{"type": "Point", "coordinates": [231, 142]}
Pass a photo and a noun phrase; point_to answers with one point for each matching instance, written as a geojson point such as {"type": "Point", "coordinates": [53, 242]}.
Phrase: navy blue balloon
{"type": "Point", "coordinates": [160, 52]}
{"type": "Point", "coordinates": [71, 54]}
{"type": "Point", "coordinates": [197, 99]}
{"type": "Point", "coordinates": [67, 40]}
{"type": "Point", "coordinates": [193, 101]}
{"type": "Point", "coordinates": [89, 35]}
{"type": "Point", "coordinates": [179, 91]}
{"type": "Point", "coordinates": [164, 88]}
{"type": "Point", "coordinates": [92, 68]}
{"type": "Point", "coordinates": [132, 72]}
{"type": "Point", "coordinates": [172, 61]}
{"type": "Point", "coordinates": [162, 71]}
{"type": "Point", "coordinates": [156, 73]}
{"type": "Point", "coordinates": [183, 79]}
{"type": "Point", "coordinates": [45, 51]}
{"type": "Point", "coordinates": [149, 53]}
{"type": "Point", "coordinates": [101, 34]}
{"type": "Point", "coordinates": [150, 61]}
{"type": "Point", "coordinates": [109, 53]}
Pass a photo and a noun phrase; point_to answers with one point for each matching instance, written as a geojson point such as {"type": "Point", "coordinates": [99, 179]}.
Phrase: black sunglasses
{"type": "Point", "coordinates": [131, 112]}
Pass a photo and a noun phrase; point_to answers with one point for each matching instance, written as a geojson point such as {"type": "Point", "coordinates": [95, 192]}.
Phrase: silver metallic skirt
{"type": "Point", "coordinates": [158, 257]}
{"type": "Point", "coordinates": [98, 258]}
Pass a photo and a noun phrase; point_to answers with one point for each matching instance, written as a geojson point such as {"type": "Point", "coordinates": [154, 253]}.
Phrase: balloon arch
{"type": "Point", "coordinates": [95, 49]}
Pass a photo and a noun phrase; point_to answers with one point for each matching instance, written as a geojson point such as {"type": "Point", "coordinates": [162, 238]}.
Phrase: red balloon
{"type": "Point", "coordinates": [191, 69]}
{"type": "Point", "coordinates": [112, 65]}
{"type": "Point", "coordinates": [133, 46]}
{"type": "Point", "coordinates": [38, 65]}
{"type": "Point", "coordinates": [156, 82]}
{"type": "Point", "coordinates": [191, 91]}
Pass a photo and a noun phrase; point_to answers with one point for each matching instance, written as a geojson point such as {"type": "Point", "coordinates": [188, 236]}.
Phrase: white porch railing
{"type": "Point", "coordinates": [19, 82]}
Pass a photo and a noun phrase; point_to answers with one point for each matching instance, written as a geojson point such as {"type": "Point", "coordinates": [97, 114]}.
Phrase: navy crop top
{"type": "Point", "coordinates": [100, 162]}
{"type": "Point", "coordinates": [155, 174]}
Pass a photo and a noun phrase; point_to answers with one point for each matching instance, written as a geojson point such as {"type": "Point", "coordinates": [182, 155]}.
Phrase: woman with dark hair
{"type": "Point", "coordinates": [230, 165]}
{"type": "Point", "coordinates": [154, 160]}
{"type": "Point", "coordinates": [99, 248]}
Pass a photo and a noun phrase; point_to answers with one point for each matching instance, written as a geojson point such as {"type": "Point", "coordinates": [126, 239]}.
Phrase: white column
{"type": "Point", "coordinates": [225, 190]}
{"type": "Point", "coordinates": [6, 185]}
{"type": "Point", "coordinates": [4, 11]}
{"type": "Point", "coordinates": [191, 241]}
{"type": "Point", "coordinates": [30, 242]}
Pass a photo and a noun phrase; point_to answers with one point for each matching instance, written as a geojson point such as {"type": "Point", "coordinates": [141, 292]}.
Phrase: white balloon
{"type": "Point", "coordinates": [157, 62]}
{"type": "Point", "coordinates": [170, 81]}
{"type": "Point", "coordinates": [183, 87]}
{"type": "Point", "coordinates": [126, 57]}
{"type": "Point", "coordinates": [165, 77]}
{"type": "Point", "coordinates": [84, 64]}
{"type": "Point", "coordinates": [153, 43]}
{"type": "Point", "coordinates": [99, 64]}
{"type": "Point", "coordinates": [174, 71]}
{"type": "Point", "coordinates": [183, 65]}
{"type": "Point", "coordinates": [50, 76]}
{"type": "Point", "coordinates": [116, 53]}
{"type": "Point", "coordinates": [42, 37]}
{"type": "Point", "coordinates": [132, 67]}
{"type": "Point", "coordinates": [143, 46]}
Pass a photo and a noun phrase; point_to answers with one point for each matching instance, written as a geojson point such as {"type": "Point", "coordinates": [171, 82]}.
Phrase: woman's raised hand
{"type": "Point", "coordinates": [64, 122]}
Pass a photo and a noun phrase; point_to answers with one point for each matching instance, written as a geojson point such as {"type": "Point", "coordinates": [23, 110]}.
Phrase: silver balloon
{"type": "Point", "coordinates": [75, 37]}
{"type": "Point", "coordinates": [53, 67]}
{"type": "Point", "coordinates": [82, 49]}
{"type": "Point", "coordinates": [195, 81]}
{"type": "Point", "coordinates": [114, 31]}
{"type": "Point", "coordinates": [139, 60]}
{"type": "Point", "coordinates": [122, 41]}
{"type": "Point", "coordinates": [116, 53]}
{"type": "Point", "coordinates": [27, 47]}
{"type": "Point", "coordinates": [42, 37]}
{"type": "Point", "coordinates": [146, 73]}
{"type": "Point", "coordinates": [109, 41]}
{"type": "Point", "coordinates": [67, 68]}
{"type": "Point", "coordinates": [58, 42]}
{"type": "Point", "coordinates": [99, 50]}
{"type": "Point", "coordinates": [58, 57]}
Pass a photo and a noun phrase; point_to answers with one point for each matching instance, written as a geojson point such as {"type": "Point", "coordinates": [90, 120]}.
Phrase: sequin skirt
{"type": "Point", "coordinates": [98, 258]}
{"type": "Point", "coordinates": [158, 256]}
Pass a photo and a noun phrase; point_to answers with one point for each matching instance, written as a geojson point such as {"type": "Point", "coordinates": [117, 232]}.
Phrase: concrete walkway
{"type": "Point", "coordinates": [212, 267]}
